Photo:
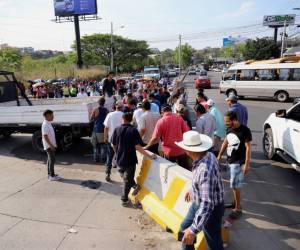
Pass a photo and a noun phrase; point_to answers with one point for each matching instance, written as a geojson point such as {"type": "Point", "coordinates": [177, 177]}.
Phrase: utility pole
{"type": "Point", "coordinates": [179, 55]}
{"type": "Point", "coordinates": [111, 47]}
{"type": "Point", "coordinates": [283, 39]}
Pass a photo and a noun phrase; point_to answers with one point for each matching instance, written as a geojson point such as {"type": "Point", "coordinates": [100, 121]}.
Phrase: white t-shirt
{"type": "Point", "coordinates": [47, 129]}
{"type": "Point", "coordinates": [137, 114]}
{"type": "Point", "coordinates": [82, 95]}
{"type": "Point", "coordinates": [112, 121]}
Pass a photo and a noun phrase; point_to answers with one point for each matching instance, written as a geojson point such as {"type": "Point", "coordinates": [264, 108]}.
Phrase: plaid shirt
{"type": "Point", "coordinates": [208, 189]}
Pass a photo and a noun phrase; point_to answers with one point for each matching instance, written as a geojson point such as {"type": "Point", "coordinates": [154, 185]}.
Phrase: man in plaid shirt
{"type": "Point", "coordinates": [207, 194]}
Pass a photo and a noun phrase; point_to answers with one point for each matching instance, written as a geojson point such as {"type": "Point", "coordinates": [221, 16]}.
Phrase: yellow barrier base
{"type": "Point", "coordinates": [162, 211]}
{"type": "Point", "coordinates": [167, 218]}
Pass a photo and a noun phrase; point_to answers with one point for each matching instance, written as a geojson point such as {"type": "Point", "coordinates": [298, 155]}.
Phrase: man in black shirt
{"type": "Point", "coordinates": [126, 140]}
{"type": "Point", "coordinates": [238, 145]}
{"type": "Point", "coordinates": [109, 85]}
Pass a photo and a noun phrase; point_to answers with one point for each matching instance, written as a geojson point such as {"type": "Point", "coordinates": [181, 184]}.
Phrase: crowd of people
{"type": "Point", "coordinates": [83, 88]}
{"type": "Point", "coordinates": [156, 120]}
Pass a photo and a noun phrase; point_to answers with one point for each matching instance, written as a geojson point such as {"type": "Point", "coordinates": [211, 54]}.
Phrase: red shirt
{"type": "Point", "coordinates": [204, 104]}
{"type": "Point", "coordinates": [170, 129]}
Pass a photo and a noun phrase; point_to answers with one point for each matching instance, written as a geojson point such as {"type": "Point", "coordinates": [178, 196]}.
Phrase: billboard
{"type": "Point", "coordinates": [75, 7]}
{"type": "Point", "coordinates": [278, 20]}
{"type": "Point", "coordinates": [228, 41]}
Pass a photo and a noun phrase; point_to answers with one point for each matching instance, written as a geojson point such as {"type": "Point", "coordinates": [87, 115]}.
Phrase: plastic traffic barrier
{"type": "Point", "coordinates": [163, 187]}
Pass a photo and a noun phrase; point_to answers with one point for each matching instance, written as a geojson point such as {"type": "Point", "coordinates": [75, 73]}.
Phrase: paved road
{"type": "Point", "coordinates": [270, 197]}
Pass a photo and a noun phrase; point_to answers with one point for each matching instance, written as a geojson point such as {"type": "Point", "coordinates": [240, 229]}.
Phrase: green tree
{"type": "Point", "coordinates": [261, 49]}
{"type": "Point", "coordinates": [186, 54]}
{"type": "Point", "coordinates": [168, 56]}
{"type": "Point", "coordinates": [128, 53]}
{"type": "Point", "coordinates": [10, 59]}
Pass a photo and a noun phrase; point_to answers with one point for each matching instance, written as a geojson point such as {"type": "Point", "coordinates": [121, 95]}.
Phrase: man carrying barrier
{"type": "Point", "coordinates": [207, 194]}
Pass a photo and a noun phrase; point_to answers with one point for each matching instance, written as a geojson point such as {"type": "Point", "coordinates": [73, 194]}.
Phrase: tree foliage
{"type": "Point", "coordinates": [261, 49]}
{"type": "Point", "coordinates": [186, 54]}
{"type": "Point", "coordinates": [128, 53]}
{"type": "Point", "coordinates": [10, 59]}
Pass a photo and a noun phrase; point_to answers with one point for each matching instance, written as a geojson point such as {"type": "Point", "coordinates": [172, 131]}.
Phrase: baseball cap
{"type": "Point", "coordinates": [232, 98]}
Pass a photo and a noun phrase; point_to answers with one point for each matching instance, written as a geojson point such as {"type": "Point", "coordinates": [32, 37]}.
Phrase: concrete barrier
{"type": "Point", "coordinates": [163, 187]}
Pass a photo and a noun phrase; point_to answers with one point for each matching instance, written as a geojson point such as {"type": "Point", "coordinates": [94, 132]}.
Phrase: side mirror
{"type": "Point", "coordinates": [281, 113]}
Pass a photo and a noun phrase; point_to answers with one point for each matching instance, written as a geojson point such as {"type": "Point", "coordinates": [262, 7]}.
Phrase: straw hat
{"type": "Point", "coordinates": [195, 142]}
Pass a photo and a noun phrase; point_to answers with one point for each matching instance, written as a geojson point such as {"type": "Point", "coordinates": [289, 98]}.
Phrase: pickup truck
{"type": "Point", "coordinates": [20, 114]}
{"type": "Point", "coordinates": [282, 135]}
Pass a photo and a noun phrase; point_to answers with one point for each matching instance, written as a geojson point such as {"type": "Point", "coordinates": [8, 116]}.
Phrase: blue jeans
{"type": "Point", "coordinates": [99, 152]}
{"type": "Point", "coordinates": [212, 229]}
{"type": "Point", "coordinates": [109, 158]}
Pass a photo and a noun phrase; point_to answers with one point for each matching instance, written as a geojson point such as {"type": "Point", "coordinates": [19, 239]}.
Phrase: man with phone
{"type": "Point", "coordinates": [206, 195]}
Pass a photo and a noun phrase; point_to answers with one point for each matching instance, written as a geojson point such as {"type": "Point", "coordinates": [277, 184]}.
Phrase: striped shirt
{"type": "Point", "coordinates": [208, 189]}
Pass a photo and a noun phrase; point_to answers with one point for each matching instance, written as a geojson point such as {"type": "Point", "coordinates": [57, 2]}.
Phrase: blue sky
{"type": "Point", "coordinates": [201, 22]}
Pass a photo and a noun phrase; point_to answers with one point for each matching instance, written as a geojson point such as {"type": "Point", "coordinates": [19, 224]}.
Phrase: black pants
{"type": "Point", "coordinates": [50, 162]}
{"type": "Point", "coordinates": [128, 177]}
{"type": "Point", "coordinates": [181, 160]}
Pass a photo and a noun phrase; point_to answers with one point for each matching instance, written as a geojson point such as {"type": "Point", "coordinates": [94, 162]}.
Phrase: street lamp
{"type": "Point", "coordinates": [111, 45]}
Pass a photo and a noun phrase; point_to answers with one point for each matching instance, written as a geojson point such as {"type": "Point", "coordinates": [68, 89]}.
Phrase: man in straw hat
{"type": "Point", "coordinates": [206, 195]}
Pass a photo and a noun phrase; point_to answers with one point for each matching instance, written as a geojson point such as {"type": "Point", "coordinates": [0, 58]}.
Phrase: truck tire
{"type": "Point", "coordinates": [282, 96]}
{"type": "Point", "coordinates": [268, 144]}
{"type": "Point", "coordinates": [6, 134]}
{"type": "Point", "coordinates": [37, 143]}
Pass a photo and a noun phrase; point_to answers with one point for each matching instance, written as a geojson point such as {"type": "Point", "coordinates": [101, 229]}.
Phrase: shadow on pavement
{"type": "Point", "coordinates": [114, 187]}
{"type": "Point", "coordinates": [271, 218]}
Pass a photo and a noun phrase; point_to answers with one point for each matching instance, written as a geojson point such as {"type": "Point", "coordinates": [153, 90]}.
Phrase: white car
{"type": "Point", "coordinates": [192, 72]}
{"type": "Point", "coordinates": [172, 73]}
{"type": "Point", "coordinates": [282, 135]}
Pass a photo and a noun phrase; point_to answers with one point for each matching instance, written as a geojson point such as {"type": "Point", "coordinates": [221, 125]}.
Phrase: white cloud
{"type": "Point", "coordinates": [245, 8]}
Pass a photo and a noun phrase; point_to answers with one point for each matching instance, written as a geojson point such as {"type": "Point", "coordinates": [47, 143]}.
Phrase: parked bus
{"type": "Point", "coordinates": [278, 78]}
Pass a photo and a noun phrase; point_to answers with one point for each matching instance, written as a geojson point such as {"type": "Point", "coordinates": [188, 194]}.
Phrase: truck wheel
{"type": "Point", "coordinates": [37, 143]}
{"type": "Point", "coordinates": [66, 141]}
{"type": "Point", "coordinates": [6, 134]}
{"type": "Point", "coordinates": [268, 144]}
{"type": "Point", "coordinates": [282, 96]}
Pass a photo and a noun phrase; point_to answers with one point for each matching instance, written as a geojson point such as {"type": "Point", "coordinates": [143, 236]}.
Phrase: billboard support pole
{"type": "Point", "coordinates": [78, 42]}
{"type": "Point", "coordinates": [283, 39]}
{"type": "Point", "coordinates": [275, 34]}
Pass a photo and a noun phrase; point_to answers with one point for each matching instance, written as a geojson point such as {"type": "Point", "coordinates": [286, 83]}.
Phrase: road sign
{"type": "Point", "coordinates": [278, 20]}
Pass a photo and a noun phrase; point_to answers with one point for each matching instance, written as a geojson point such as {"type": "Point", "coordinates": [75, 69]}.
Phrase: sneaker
{"type": "Point", "coordinates": [136, 190]}
{"type": "Point", "coordinates": [126, 204]}
{"type": "Point", "coordinates": [54, 178]}
{"type": "Point", "coordinates": [107, 178]}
